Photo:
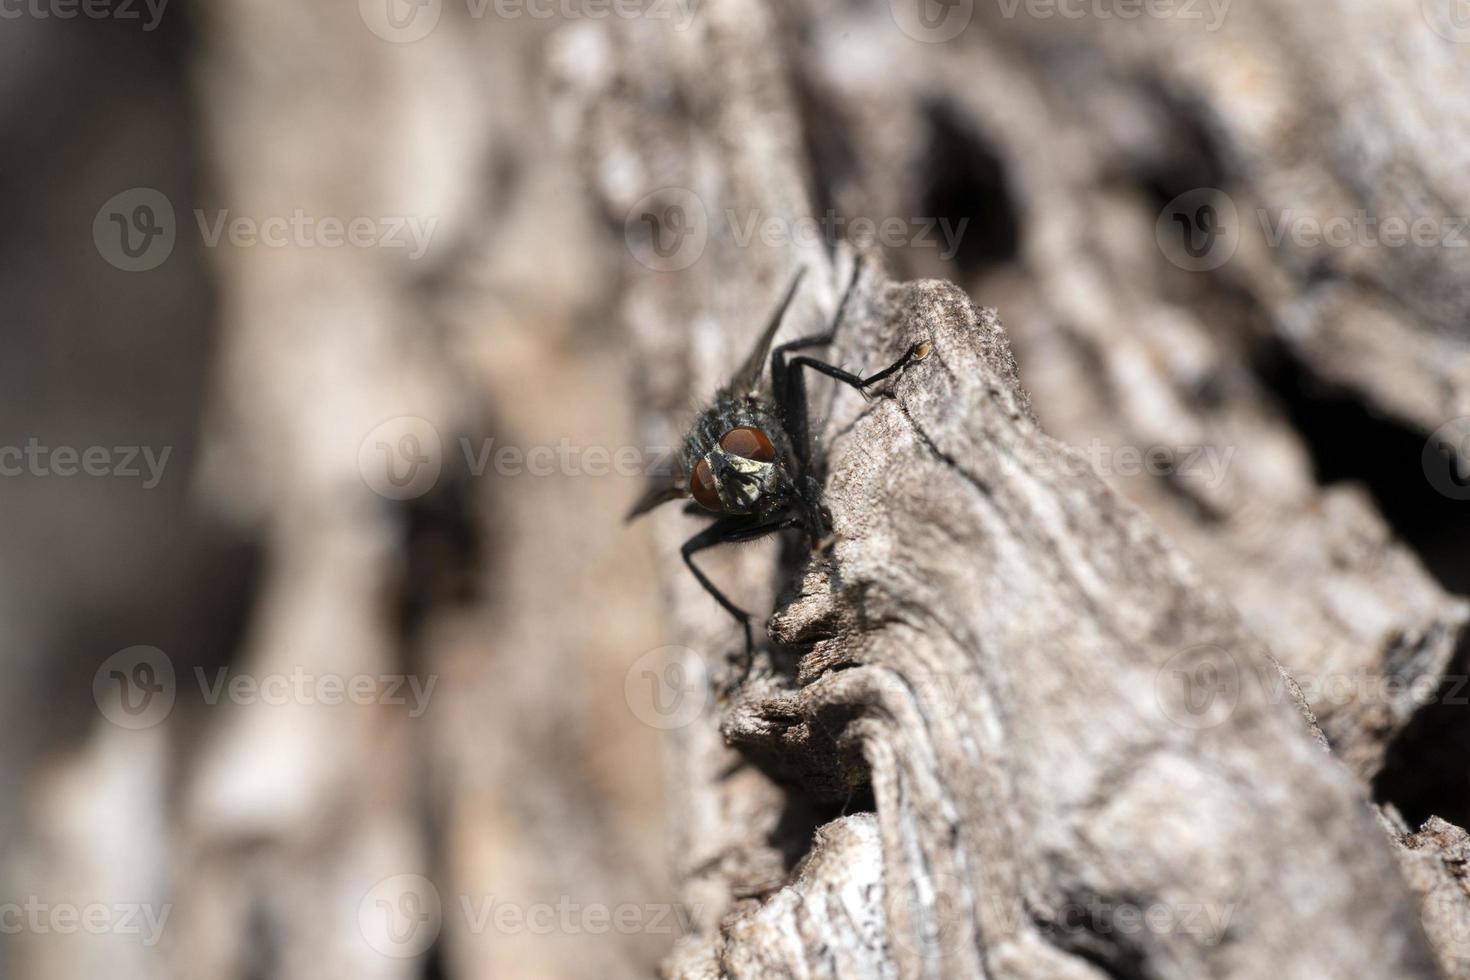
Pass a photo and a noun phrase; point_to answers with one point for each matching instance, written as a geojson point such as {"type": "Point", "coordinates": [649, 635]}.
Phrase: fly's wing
{"type": "Point", "coordinates": [747, 379]}
{"type": "Point", "coordinates": [658, 493]}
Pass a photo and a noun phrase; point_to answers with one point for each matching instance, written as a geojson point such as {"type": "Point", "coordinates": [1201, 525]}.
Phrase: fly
{"type": "Point", "coordinates": [746, 461]}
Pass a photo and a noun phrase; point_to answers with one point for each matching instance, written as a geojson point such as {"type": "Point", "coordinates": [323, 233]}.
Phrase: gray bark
{"type": "Point", "coordinates": [1018, 718]}
{"type": "Point", "coordinates": [994, 639]}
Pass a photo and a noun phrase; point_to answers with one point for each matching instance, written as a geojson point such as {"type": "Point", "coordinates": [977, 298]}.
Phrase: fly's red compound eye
{"type": "Point", "coordinates": [702, 487]}
{"type": "Point", "coordinates": [749, 443]}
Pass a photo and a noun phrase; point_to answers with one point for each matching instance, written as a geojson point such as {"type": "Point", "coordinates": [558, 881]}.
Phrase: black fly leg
{"type": "Point", "coordinates": [818, 522]}
{"type": "Point", "coordinates": [787, 386]}
{"type": "Point", "coordinates": [728, 531]}
{"type": "Point", "coordinates": [917, 352]}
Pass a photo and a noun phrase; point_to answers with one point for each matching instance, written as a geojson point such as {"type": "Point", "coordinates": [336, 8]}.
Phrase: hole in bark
{"type": "Point", "coordinates": [1190, 157]}
{"type": "Point", "coordinates": [1424, 770]}
{"type": "Point", "coordinates": [794, 833]}
{"type": "Point", "coordinates": [1088, 930]}
{"type": "Point", "coordinates": [808, 762]}
{"type": "Point", "coordinates": [1350, 442]}
{"type": "Point", "coordinates": [434, 968]}
{"type": "Point", "coordinates": [967, 182]}
{"type": "Point", "coordinates": [441, 549]}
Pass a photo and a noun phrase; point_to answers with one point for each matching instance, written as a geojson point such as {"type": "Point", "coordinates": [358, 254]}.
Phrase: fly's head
{"type": "Point", "coordinates": [736, 462]}
{"type": "Point", "coordinates": [739, 464]}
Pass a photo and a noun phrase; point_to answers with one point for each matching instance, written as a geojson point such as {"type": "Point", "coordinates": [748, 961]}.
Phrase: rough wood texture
{"type": "Point", "coordinates": [1436, 863]}
{"type": "Point", "coordinates": [994, 639]}
{"type": "Point", "coordinates": [1022, 721]}
{"type": "Point", "coordinates": [1299, 128]}
{"type": "Point", "coordinates": [1126, 353]}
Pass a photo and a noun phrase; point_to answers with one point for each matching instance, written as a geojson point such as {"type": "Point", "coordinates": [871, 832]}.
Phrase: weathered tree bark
{"type": "Point", "coordinates": [1434, 861]}
{"type": "Point", "coordinates": [993, 642]}
{"type": "Point", "coordinates": [1019, 719]}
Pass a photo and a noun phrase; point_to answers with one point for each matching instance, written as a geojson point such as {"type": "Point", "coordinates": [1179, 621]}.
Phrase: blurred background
{"type": "Point", "coordinates": [326, 651]}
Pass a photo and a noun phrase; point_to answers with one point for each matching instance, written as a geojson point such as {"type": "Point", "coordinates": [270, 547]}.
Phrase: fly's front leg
{"type": "Point", "coordinates": [818, 522]}
{"type": "Point", "coordinates": [917, 352]}
{"type": "Point", "coordinates": [787, 385]}
{"type": "Point", "coordinates": [727, 531]}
